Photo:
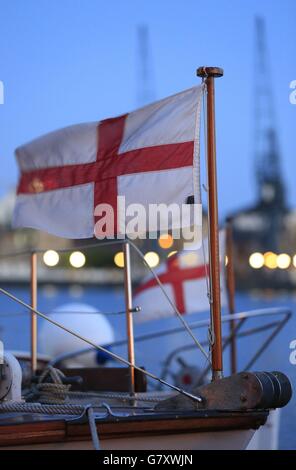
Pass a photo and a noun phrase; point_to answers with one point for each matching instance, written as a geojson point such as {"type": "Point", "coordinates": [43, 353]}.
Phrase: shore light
{"type": "Point", "coordinates": [256, 260]}
{"type": "Point", "coordinates": [152, 259]}
{"type": "Point", "coordinates": [283, 261]}
{"type": "Point", "coordinates": [270, 260]}
{"type": "Point", "coordinates": [77, 259]}
{"type": "Point", "coordinates": [294, 261]}
{"type": "Point", "coordinates": [119, 259]}
{"type": "Point", "coordinates": [165, 241]}
{"type": "Point", "coordinates": [51, 258]}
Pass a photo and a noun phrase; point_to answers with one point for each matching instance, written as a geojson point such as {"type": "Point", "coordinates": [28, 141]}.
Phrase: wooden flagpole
{"type": "Point", "coordinates": [209, 74]}
{"type": "Point", "coordinates": [129, 315]}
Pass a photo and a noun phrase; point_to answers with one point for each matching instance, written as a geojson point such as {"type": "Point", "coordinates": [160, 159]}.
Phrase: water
{"type": "Point", "coordinates": [14, 331]}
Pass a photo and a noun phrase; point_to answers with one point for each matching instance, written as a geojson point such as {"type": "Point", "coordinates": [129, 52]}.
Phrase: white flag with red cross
{"type": "Point", "coordinates": [184, 279]}
{"type": "Point", "coordinates": [149, 156]}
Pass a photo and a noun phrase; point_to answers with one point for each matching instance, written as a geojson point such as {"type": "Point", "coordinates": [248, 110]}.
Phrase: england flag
{"type": "Point", "coordinates": [149, 156]}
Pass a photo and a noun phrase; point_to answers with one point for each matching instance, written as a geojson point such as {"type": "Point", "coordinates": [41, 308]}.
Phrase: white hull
{"type": "Point", "coordinates": [267, 437]}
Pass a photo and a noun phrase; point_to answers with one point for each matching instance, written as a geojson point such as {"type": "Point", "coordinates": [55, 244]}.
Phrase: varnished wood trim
{"type": "Point", "coordinates": [62, 431]}
{"type": "Point", "coordinates": [111, 430]}
{"type": "Point", "coordinates": [32, 433]}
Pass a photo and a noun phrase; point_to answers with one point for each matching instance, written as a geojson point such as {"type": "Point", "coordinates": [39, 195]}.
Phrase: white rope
{"type": "Point", "coordinates": [54, 392]}
{"type": "Point", "coordinates": [93, 428]}
{"type": "Point", "coordinates": [94, 397]}
{"type": "Point", "coordinates": [19, 407]}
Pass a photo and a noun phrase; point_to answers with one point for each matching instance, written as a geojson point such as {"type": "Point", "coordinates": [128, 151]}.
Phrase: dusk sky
{"type": "Point", "coordinates": [69, 61]}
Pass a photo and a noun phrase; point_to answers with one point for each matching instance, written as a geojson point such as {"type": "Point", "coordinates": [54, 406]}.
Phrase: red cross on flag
{"type": "Point", "coordinates": [149, 156]}
{"type": "Point", "coordinates": [184, 279]}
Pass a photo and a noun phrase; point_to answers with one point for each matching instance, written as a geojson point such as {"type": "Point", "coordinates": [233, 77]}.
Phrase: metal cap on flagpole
{"type": "Point", "coordinates": [210, 72]}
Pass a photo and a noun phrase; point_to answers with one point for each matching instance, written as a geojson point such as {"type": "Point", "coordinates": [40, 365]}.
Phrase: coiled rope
{"type": "Point", "coordinates": [56, 392]}
{"type": "Point", "coordinates": [52, 392]}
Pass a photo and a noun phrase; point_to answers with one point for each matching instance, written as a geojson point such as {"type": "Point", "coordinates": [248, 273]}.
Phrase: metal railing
{"type": "Point", "coordinates": [239, 318]}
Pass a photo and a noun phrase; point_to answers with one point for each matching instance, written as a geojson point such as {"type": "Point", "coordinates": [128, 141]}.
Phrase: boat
{"type": "Point", "coordinates": [112, 410]}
